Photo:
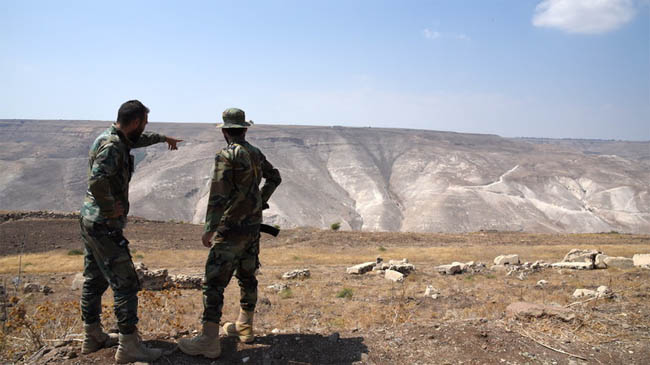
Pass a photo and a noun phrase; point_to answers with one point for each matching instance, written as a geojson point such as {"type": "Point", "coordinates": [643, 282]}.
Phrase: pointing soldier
{"type": "Point", "coordinates": [107, 258]}
{"type": "Point", "coordinates": [232, 230]}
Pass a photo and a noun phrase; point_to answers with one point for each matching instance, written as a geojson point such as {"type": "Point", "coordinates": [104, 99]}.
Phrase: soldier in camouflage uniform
{"type": "Point", "coordinates": [107, 258]}
{"type": "Point", "coordinates": [234, 213]}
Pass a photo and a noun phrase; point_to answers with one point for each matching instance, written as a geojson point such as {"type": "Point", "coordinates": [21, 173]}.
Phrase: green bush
{"type": "Point", "coordinates": [382, 248]}
{"type": "Point", "coordinates": [345, 293]}
{"type": "Point", "coordinates": [286, 293]}
{"type": "Point", "coordinates": [335, 226]}
{"type": "Point", "coordinates": [75, 252]}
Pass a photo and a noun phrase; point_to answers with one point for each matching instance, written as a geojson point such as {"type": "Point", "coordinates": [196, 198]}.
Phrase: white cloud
{"type": "Point", "coordinates": [584, 16]}
{"type": "Point", "coordinates": [432, 34]}
{"type": "Point", "coordinates": [429, 34]}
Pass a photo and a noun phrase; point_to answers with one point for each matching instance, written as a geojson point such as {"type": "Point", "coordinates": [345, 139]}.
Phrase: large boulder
{"type": "Point", "coordinates": [506, 260]}
{"type": "Point", "coordinates": [534, 310]}
{"type": "Point", "coordinates": [620, 262]}
{"type": "Point", "coordinates": [361, 268]}
{"type": "Point", "coordinates": [577, 255]}
{"type": "Point", "coordinates": [641, 260]}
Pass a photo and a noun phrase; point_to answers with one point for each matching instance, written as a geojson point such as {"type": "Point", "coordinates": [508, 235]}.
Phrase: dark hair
{"type": "Point", "coordinates": [130, 111]}
{"type": "Point", "coordinates": [235, 132]}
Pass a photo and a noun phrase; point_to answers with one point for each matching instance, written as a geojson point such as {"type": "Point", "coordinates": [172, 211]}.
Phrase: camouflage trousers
{"type": "Point", "coordinates": [233, 253]}
{"type": "Point", "coordinates": [107, 262]}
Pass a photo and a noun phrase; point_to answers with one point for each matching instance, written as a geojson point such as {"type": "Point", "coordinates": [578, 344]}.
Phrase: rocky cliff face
{"type": "Point", "coordinates": [365, 178]}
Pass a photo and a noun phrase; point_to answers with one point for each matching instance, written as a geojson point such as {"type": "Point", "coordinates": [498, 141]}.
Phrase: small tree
{"type": "Point", "coordinates": [335, 226]}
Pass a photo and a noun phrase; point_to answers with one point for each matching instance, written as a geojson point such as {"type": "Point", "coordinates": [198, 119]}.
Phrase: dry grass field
{"type": "Point", "coordinates": [336, 318]}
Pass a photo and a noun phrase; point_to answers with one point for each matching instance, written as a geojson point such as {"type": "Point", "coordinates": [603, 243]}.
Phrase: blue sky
{"type": "Point", "coordinates": [551, 68]}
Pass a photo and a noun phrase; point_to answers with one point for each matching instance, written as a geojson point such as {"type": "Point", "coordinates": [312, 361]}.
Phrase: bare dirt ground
{"type": "Point", "coordinates": [333, 317]}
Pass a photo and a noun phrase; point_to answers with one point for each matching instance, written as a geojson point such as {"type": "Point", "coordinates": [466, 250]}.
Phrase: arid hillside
{"type": "Point", "coordinates": [365, 178]}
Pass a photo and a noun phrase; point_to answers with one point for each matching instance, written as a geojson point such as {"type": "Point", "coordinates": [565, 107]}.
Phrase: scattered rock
{"type": "Point", "coordinates": [574, 265]}
{"type": "Point", "coordinates": [46, 290]}
{"type": "Point", "coordinates": [362, 268]}
{"type": "Point", "coordinates": [577, 255]}
{"type": "Point", "coordinates": [604, 292]}
{"type": "Point", "coordinates": [278, 287]}
{"type": "Point", "coordinates": [541, 283]}
{"type": "Point", "coordinates": [31, 288]}
{"type": "Point", "coordinates": [527, 310]}
{"type": "Point", "coordinates": [579, 293]}
{"type": "Point", "coordinates": [275, 331]}
{"type": "Point", "coordinates": [642, 260]}
{"type": "Point", "coordinates": [182, 281]}
{"type": "Point", "coordinates": [619, 262]}
{"type": "Point", "coordinates": [431, 292]}
{"type": "Point", "coordinates": [150, 279]}
{"type": "Point", "coordinates": [402, 266]}
{"type": "Point", "coordinates": [507, 260]}
{"type": "Point", "coordinates": [297, 274]}
{"type": "Point", "coordinates": [78, 281]}
{"type": "Point", "coordinates": [499, 268]}
{"type": "Point", "coordinates": [599, 261]}
{"type": "Point", "coordinates": [395, 276]}
{"type": "Point", "coordinates": [450, 269]}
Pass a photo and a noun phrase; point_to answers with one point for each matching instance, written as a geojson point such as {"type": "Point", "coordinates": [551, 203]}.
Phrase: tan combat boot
{"type": "Point", "coordinates": [132, 349]}
{"type": "Point", "coordinates": [96, 339]}
{"type": "Point", "coordinates": [242, 328]}
{"type": "Point", "coordinates": [206, 344]}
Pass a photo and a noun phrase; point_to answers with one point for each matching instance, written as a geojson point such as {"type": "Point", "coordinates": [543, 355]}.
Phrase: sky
{"type": "Point", "coordinates": [516, 68]}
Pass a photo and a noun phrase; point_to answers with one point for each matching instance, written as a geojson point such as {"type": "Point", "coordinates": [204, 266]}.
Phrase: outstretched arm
{"type": "Point", "coordinates": [149, 138]}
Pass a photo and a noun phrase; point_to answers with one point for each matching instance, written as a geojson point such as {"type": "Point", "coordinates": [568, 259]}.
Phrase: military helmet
{"type": "Point", "coordinates": [234, 118]}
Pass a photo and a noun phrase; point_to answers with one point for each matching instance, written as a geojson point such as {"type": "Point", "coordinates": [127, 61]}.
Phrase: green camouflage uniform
{"type": "Point", "coordinates": [235, 213]}
{"type": "Point", "coordinates": [107, 258]}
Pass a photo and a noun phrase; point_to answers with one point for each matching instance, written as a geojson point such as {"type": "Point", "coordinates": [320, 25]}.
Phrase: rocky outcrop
{"type": "Point", "coordinates": [297, 274]}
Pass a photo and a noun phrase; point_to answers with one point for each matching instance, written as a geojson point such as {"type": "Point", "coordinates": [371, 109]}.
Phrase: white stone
{"type": "Point", "coordinates": [507, 260]}
{"type": "Point", "coordinates": [577, 255]}
{"type": "Point", "coordinates": [449, 269]}
{"type": "Point", "coordinates": [574, 265]}
{"type": "Point", "coordinates": [361, 268]}
{"type": "Point", "coordinates": [579, 293]}
{"type": "Point", "coordinates": [31, 288]}
{"type": "Point", "coordinates": [498, 268]}
{"type": "Point", "coordinates": [542, 283]}
{"type": "Point", "coordinates": [78, 281]}
{"type": "Point", "coordinates": [297, 274]}
{"type": "Point", "coordinates": [641, 260]}
{"type": "Point", "coordinates": [604, 292]}
{"type": "Point", "coordinates": [619, 262]}
{"type": "Point", "coordinates": [395, 276]}
{"type": "Point", "coordinates": [599, 261]}
{"type": "Point", "coordinates": [431, 292]}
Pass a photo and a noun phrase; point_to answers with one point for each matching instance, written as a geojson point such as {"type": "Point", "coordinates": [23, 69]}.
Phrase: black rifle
{"type": "Point", "coordinates": [269, 230]}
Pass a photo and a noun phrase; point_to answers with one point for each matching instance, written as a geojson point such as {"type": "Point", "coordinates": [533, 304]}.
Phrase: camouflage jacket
{"type": "Point", "coordinates": [110, 166]}
{"type": "Point", "coordinates": [236, 201]}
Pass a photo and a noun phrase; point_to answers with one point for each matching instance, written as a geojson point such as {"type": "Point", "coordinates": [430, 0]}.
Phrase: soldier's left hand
{"type": "Point", "coordinates": [207, 239]}
{"type": "Point", "coordinates": [171, 143]}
